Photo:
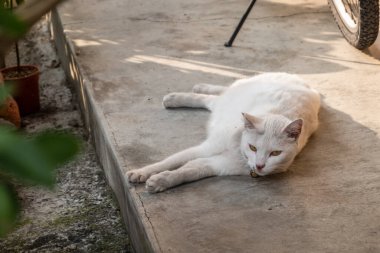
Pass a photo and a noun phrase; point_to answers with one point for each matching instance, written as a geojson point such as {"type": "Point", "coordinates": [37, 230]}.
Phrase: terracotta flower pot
{"type": "Point", "coordinates": [9, 110]}
{"type": "Point", "coordinates": [26, 85]}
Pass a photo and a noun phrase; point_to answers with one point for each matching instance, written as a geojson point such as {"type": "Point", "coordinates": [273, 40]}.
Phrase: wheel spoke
{"type": "Point", "coordinates": [352, 9]}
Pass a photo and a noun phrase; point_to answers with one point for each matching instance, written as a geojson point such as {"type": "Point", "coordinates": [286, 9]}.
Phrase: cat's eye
{"type": "Point", "coordinates": [253, 148]}
{"type": "Point", "coordinates": [275, 153]}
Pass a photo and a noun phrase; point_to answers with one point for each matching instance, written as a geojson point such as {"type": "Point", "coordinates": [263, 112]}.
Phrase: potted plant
{"type": "Point", "coordinates": [23, 77]}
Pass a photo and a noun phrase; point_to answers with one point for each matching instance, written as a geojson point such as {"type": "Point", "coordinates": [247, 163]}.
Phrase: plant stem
{"type": "Point", "coordinates": [16, 44]}
{"type": "Point", "coordinates": [17, 57]}
{"type": "Point", "coordinates": [2, 61]}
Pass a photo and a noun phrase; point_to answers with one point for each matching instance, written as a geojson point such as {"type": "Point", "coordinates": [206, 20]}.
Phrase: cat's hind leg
{"type": "Point", "coordinates": [192, 100]}
{"type": "Point", "coordinates": [170, 163]}
{"type": "Point", "coordinates": [194, 170]}
{"type": "Point", "coordinates": [209, 89]}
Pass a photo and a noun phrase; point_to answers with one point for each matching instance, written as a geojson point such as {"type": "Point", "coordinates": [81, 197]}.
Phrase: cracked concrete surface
{"type": "Point", "coordinates": [328, 201]}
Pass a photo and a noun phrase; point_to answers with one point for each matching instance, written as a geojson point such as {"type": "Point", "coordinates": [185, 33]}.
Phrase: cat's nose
{"type": "Point", "coordinates": [260, 166]}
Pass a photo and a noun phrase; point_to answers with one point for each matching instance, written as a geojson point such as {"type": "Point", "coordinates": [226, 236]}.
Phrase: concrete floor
{"type": "Point", "coordinates": [129, 54]}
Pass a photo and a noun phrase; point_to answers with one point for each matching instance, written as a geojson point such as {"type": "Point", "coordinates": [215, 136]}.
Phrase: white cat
{"type": "Point", "coordinates": [258, 126]}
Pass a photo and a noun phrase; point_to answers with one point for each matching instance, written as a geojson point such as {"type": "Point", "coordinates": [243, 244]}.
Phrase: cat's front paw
{"type": "Point", "coordinates": [137, 176]}
{"type": "Point", "coordinates": [199, 88]}
{"type": "Point", "coordinates": [171, 100]}
{"type": "Point", "coordinates": [159, 182]}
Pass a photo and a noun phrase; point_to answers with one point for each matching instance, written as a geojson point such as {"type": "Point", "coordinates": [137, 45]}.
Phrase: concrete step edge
{"type": "Point", "coordinates": [139, 228]}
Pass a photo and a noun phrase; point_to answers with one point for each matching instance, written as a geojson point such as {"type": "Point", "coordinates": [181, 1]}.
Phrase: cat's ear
{"type": "Point", "coordinates": [293, 130]}
{"type": "Point", "coordinates": [251, 122]}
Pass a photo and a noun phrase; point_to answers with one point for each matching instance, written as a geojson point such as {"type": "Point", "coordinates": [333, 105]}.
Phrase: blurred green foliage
{"type": "Point", "coordinates": [9, 207]}
{"type": "Point", "coordinates": [10, 23]}
{"type": "Point", "coordinates": [30, 159]}
{"type": "Point", "coordinates": [33, 159]}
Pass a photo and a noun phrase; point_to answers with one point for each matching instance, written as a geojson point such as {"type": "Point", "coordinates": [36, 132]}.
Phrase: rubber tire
{"type": "Point", "coordinates": [368, 24]}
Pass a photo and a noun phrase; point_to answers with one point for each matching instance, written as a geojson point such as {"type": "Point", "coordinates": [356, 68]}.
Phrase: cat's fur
{"type": "Point", "coordinates": [250, 119]}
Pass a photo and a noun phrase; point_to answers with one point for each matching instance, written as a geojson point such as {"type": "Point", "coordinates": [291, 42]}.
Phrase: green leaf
{"type": "Point", "coordinates": [22, 159]}
{"type": "Point", "coordinates": [11, 24]}
{"type": "Point", "coordinates": [9, 208]}
{"type": "Point", "coordinates": [35, 159]}
{"type": "Point", "coordinates": [58, 148]}
{"type": "Point", "coordinates": [5, 91]}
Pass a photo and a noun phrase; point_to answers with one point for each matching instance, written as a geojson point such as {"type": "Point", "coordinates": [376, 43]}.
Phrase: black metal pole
{"type": "Point", "coordinates": [242, 20]}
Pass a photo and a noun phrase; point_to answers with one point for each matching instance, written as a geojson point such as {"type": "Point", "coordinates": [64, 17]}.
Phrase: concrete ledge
{"type": "Point", "coordinates": [138, 225]}
{"type": "Point", "coordinates": [133, 52]}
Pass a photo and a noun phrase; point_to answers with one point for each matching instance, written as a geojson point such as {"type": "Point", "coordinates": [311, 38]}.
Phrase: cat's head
{"type": "Point", "coordinates": [269, 143]}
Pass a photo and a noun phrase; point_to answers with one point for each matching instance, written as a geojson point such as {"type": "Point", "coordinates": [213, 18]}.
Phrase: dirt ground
{"type": "Point", "coordinates": [81, 214]}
